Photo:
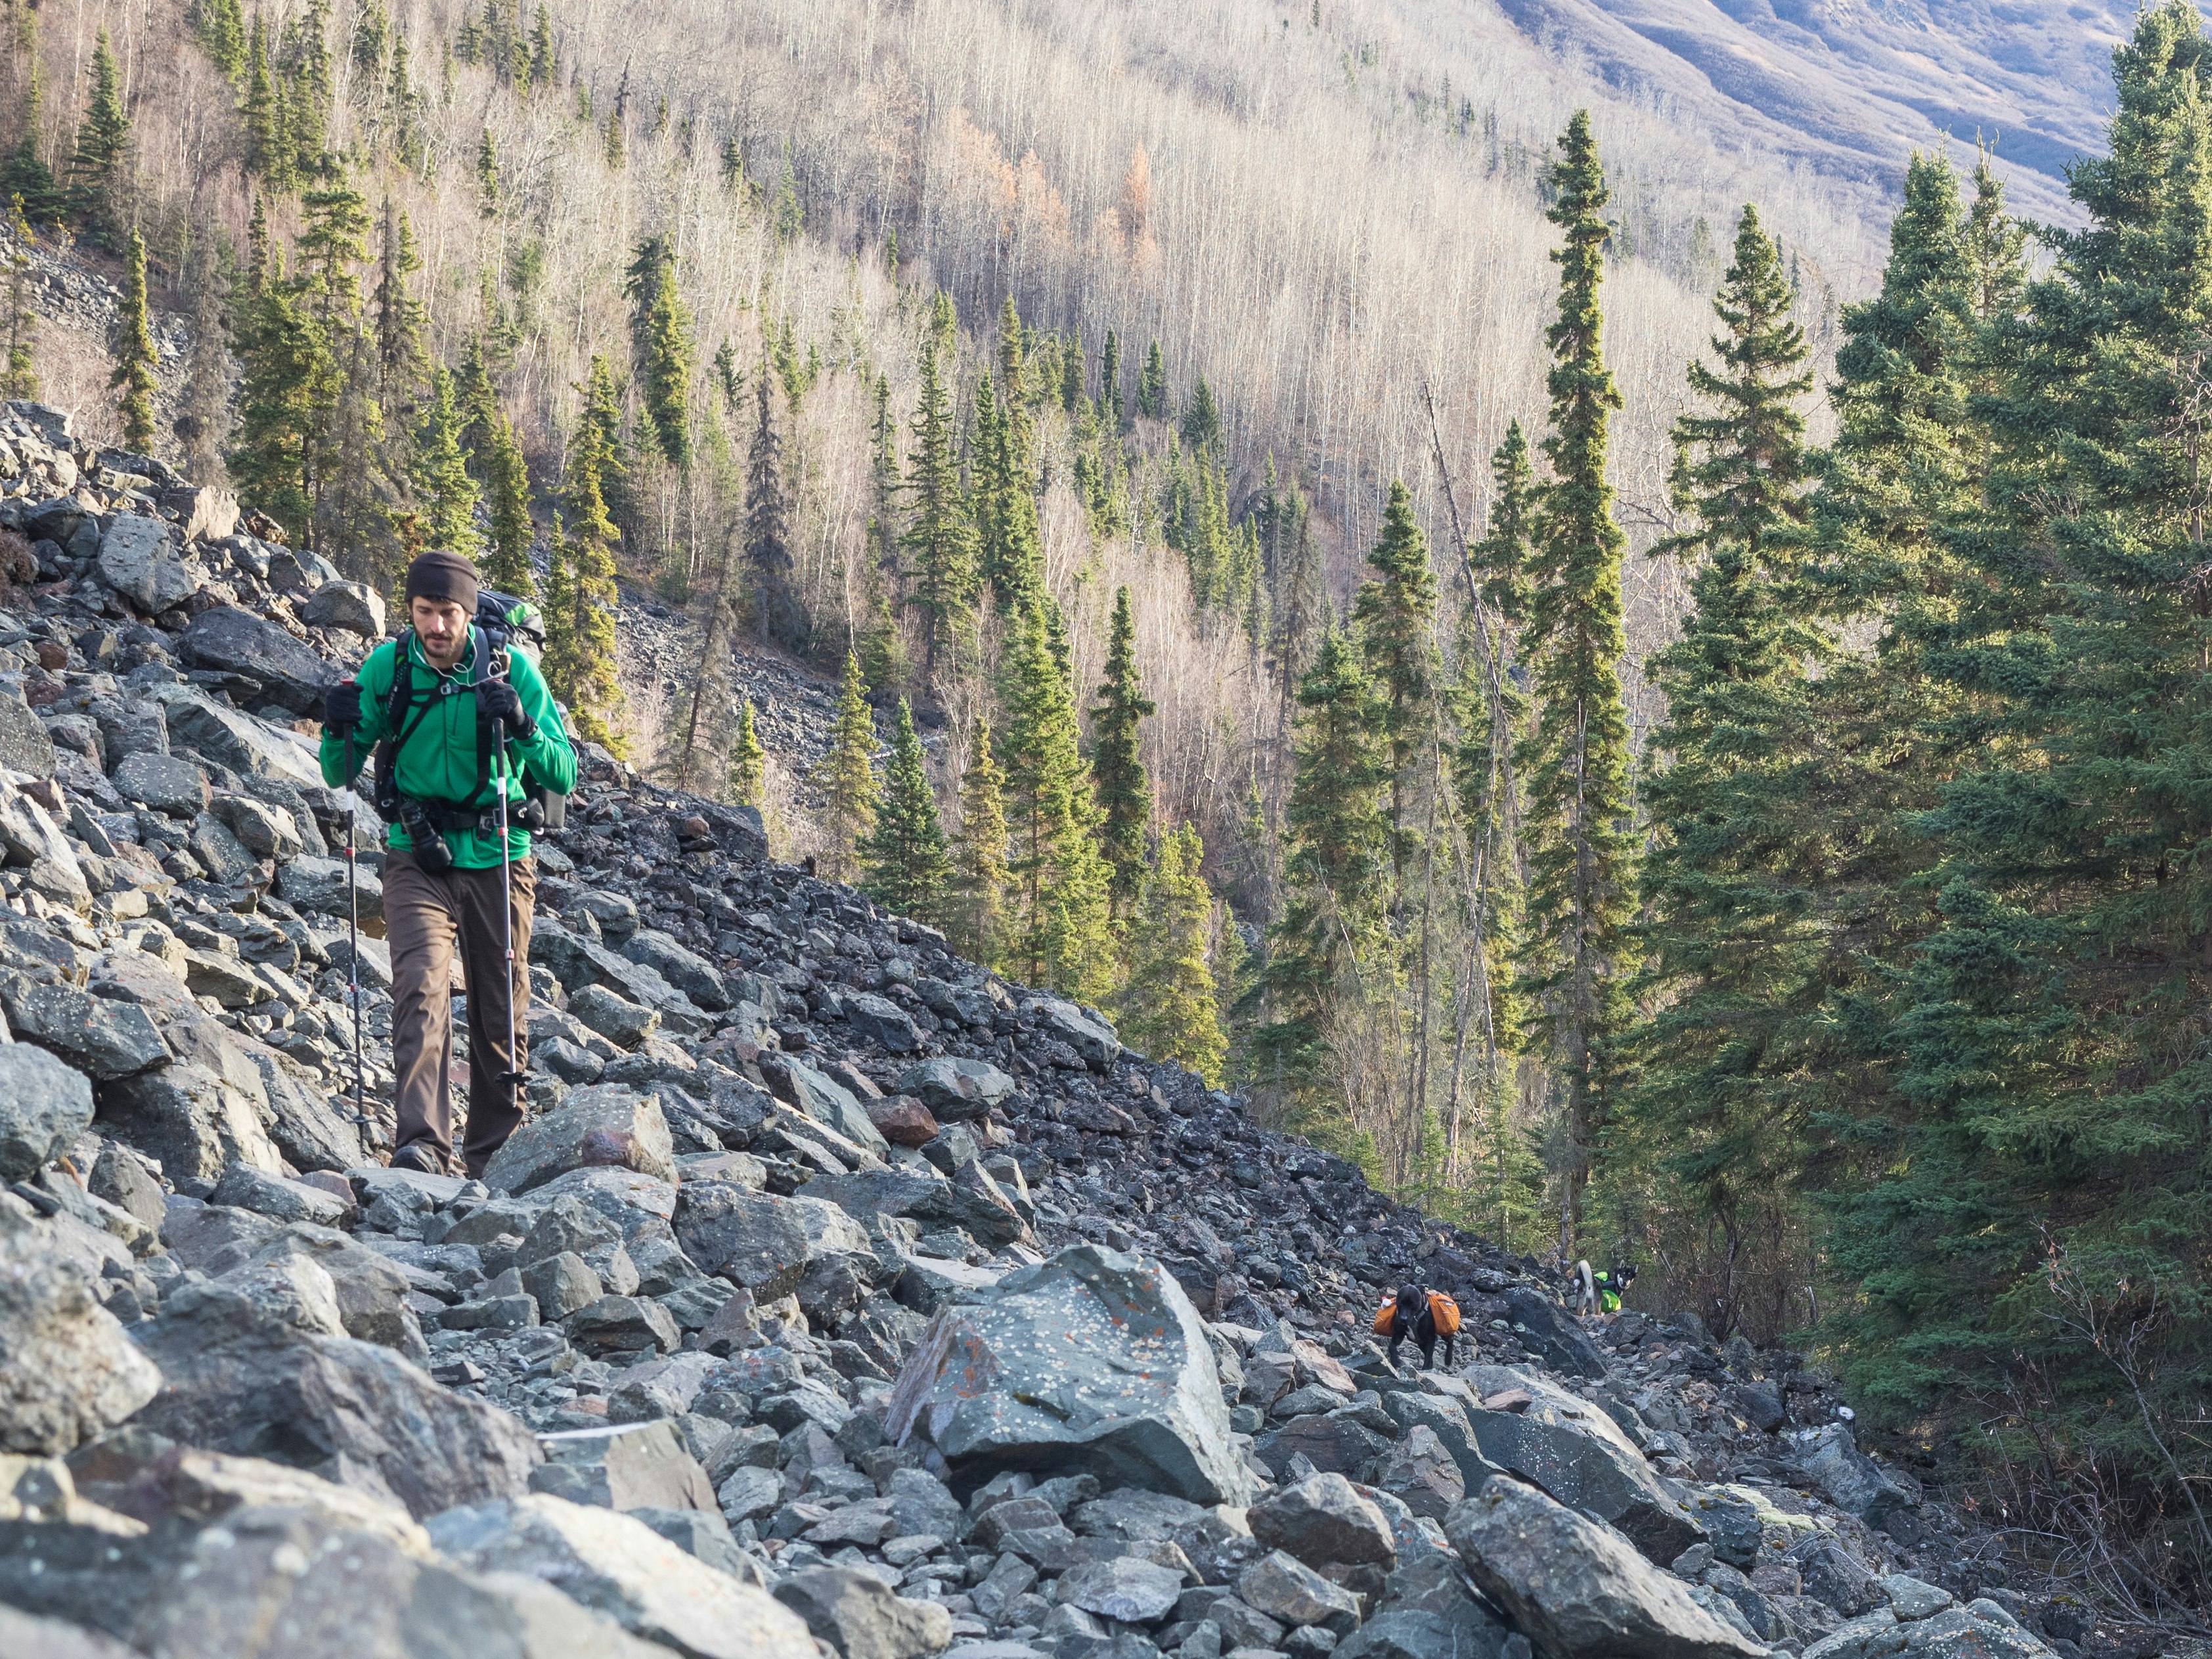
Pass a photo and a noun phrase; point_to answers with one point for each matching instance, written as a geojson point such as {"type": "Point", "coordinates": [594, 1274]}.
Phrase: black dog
{"type": "Point", "coordinates": [1414, 1320]}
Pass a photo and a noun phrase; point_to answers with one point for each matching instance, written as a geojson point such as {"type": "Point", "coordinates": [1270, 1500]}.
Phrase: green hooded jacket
{"type": "Point", "coordinates": [439, 759]}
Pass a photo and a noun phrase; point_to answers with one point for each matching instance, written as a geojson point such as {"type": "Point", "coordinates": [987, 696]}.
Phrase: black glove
{"type": "Point", "coordinates": [342, 704]}
{"type": "Point", "coordinates": [502, 704]}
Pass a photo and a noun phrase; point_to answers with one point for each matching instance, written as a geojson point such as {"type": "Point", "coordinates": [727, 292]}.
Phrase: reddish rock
{"type": "Point", "coordinates": [903, 1120]}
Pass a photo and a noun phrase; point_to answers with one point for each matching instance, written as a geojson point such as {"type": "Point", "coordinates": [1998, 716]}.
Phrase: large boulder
{"type": "Point", "coordinates": [604, 1126]}
{"type": "Point", "coordinates": [879, 1020]}
{"type": "Point", "coordinates": [1445, 1417]}
{"type": "Point", "coordinates": [163, 783]}
{"type": "Point", "coordinates": [247, 746]}
{"type": "Point", "coordinates": [67, 1370]}
{"type": "Point", "coordinates": [1576, 1588]}
{"type": "Point", "coordinates": [44, 1106]}
{"type": "Point", "coordinates": [767, 1243]}
{"type": "Point", "coordinates": [1094, 1361]}
{"type": "Point", "coordinates": [348, 607]}
{"type": "Point", "coordinates": [241, 1375]}
{"type": "Point", "coordinates": [1578, 1455]}
{"type": "Point", "coordinates": [1553, 1334]}
{"type": "Point", "coordinates": [955, 1090]}
{"type": "Point", "coordinates": [101, 1039]}
{"type": "Point", "coordinates": [1323, 1519]}
{"type": "Point", "coordinates": [26, 746]}
{"type": "Point", "coordinates": [859, 1617]}
{"type": "Point", "coordinates": [1093, 1040]}
{"type": "Point", "coordinates": [622, 1568]}
{"type": "Point", "coordinates": [139, 559]}
{"type": "Point", "coordinates": [972, 1200]}
{"type": "Point", "coordinates": [237, 643]}
{"type": "Point", "coordinates": [628, 1466]}
{"type": "Point", "coordinates": [195, 1117]}
{"type": "Point", "coordinates": [281, 1580]}
{"type": "Point", "coordinates": [686, 969]}
{"type": "Point", "coordinates": [1850, 1480]}
{"type": "Point", "coordinates": [829, 1102]}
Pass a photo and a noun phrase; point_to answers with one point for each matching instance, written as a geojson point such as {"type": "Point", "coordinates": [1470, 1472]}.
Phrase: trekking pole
{"type": "Point", "coordinates": [352, 941]}
{"type": "Point", "coordinates": [511, 1079]}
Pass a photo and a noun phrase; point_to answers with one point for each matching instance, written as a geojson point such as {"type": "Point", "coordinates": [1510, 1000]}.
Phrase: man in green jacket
{"type": "Point", "coordinates": [463, 735]}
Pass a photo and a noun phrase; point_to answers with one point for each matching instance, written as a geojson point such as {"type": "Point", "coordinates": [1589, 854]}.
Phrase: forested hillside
{"type": "Point", "coordinates": [1239, 467]}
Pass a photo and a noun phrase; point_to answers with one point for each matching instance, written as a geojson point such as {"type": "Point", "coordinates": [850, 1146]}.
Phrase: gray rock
{"type": "Point", "coordinates": [623, 1322]}
{"type": "Point", "coordinates": [281, 1581]}
{"type": "Point", "coordinates": [120, 1178]}
{"type": "Point", "coordinates": [1761, 1404]}
{"type": "Point", "coordinates": [29, 1637]}
{"type": "Point", "coordinates": [168, 784]}
{"type": "Point", "coordinates": [196, 1120]}
{"type": "Point", "coordinates": [319, 885]}
{"type": "Point", "coordinates": [766, 1244]}
{"type": "Point", "coordinates": [311, 1127]}
{"type": "Point", "coordinates": [703, 1534]}
{"type": "Point", "coordinates": [1851, 1480]}
{"type": "Point", "coordinates": [1127, 1589]}
{"type": "Point", "coordinates": [830, 1102]}
{"type": "Point", "coordinates": [687, 971]}
{"type": "Point", "coordinates": [204, 513]}
{"type": "Point", "coordinates": [1287, 1590]}
{"type": "Point", "coordinates": [1094, 1361]}
{"type": "Point", "coordinates": [1323, 1519]}
{"type": "Point", "coordinates": [140, 560]}
{"type": "Point", "coordinates": [561, 1283]}
{"type": "Point", "coordinates": [67, 1370]}
{"type": "Point", "coordinates": [1578, 1455]}
{"type": "Point", "coordinates": [622, 1568]}
{"type": "Point", "coordinates": [957, 1091]}
{"type": "Point", "coordinates": [749, 1493]}
{"type": "Point", "coordinates": [1874, 1635]}
{"type": "Point", "coordinates": [1447, 1420]}
{"type": "Point", "coordinates": [371, 1292]}
{"type": "Point", "coordinates": [26, 745]}
{"type": "Point", "coordinates": [352, 1411]}
{"type": "Point", "coordinates": [1422, 1474]}
{"type": "Point", "coordinates": [220, 854]}
{"type": "Point", "coordinates": [277, 1197]}
{"type": "Point", "coordinates": [262, 830]}
{"type": "Point", "coordinates": [44, 1106]}
{"type": "Point", "coordinates": [1094, 1041]}
{"type": "Point", "coordinates": [1333, 1442]}
{"type": "Point", "coordinates": [348, 606]}
{"type": "Point", "coordinates": [858, 1615]}
{"type": "Point", "coordinates": [635, 1466]}
{"type": "Point", "coordinates": [982, 1211]}
{"type": "Point", "coordinates": [1576, 1588]}
{"type": "Point", "coordinates": [247, 746]}
{"type": "Point", "coordinates": [235, 642]}
{"type": "Point", "coordinates": [1413, 1634]}
{"type": "Point", "coordinates": [1911, 1598]}
{"type": "Point", "coordinates": [606, 1126]}
{"type": "Point", "coordinates": [613, 1016]}
{"type": "Point", "coordinates": [879, 1020]}
{"type": "Point", "coordinates": [1554, 1335]}
{"type": "Point", "coordinates": [1732, 1526]}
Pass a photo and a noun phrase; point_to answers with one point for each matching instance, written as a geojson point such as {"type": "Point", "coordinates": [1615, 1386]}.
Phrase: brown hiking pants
{"type": "Point", "coordinates": [426, 918]}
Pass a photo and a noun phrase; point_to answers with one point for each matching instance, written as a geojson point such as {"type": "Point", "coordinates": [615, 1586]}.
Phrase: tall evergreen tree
{"type": "Point", "coordinates": [22, 376]}
{"type": "Point", "coordinates": [1125, 794]}
{"type": "Point", "coordinates": [1061, 926]}
{"type": "Point", "coordinates": [748, 785]}
{"type": "Point", "coordinates": [98, 165]}
{"type": "Point", "coordinates": [939, 538]}
{"type": "Point", "coordinates": [778, 611]}
{"type": "Point", "coordinates": [976, 922]}
{"type": "Point", "coordinates": [401, 318]}
{"type": "Point", "coordinates": [1109, 384]}
{"type": "Point", "coordinates": [581, 600]}
{"type": "Point", "coordinates": [1397, 617]}
{"type": "Point", "coordinates": [1335, 868]}
{"type": "Point", "coordinates": [903, 861]}
{"type": "Point", "coordinates": [25, 173]}
{"type": "Point", "coordinates": [488, 188]}
{"type": "Point", "coordinates": [1579, 810]}
{"type": "Point", "coordinates": [1153, 385]}
{"type": "Point", "coordinates": [440, 474]}
{"type": "Point", "coordinates": [849, 779]}
{"type": "Point", "coordinates": [287, 358]}
{"type": "Point", "coordinates": [134, 356]}
{"type": "Point", "coordinates": [1736, 930]}
{"type": "Point", "coordinates": [506, 562]}
{"type": "Point", "coordinates": [1202, 419]}
{"type": "Point", "coordinates": [1172, 1008]}
{"type": "Point", "coordinates": [663, 336]}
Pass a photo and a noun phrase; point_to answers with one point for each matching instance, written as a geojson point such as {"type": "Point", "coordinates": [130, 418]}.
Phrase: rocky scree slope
{"type": "Point", "coordinates": [838, 1299]}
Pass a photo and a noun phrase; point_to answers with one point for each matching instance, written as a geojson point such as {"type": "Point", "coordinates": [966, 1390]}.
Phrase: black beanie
{"type": "Point", "coordinates": [441, 575]}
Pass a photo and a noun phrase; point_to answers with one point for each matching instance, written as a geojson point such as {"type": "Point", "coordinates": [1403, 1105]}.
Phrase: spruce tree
{"type": "Point", "coordinates": [1396, 614]}
{"type": "Point", "coordinates": [1735, 927]}
{"type": "Point", "coordinates": [21, 377]}
{"type": "Point", "coordinates": [1109, 384]}
{"type": "Point", "coordinates": [976, 918]}
{"type": "Point", "coordinates": [580, 605]}
{"type": "Point", "coordinates": [1153, 385]}
{"type": "Point", "coordinates": [1061, 926]}
{"type": "Point", "coordinates": [287, 358]}
{"type": "Point", "coordinates": [847, 779]}
{"type": "Point", "coordinates": [778, 611]}
{"type": "Point", "coordinates": [506, 562]}
{"type": "Point", "coordinates": [1125, 794]}
{"type": "Point", "coordinates": [903, 861]}
{"type": "Point", "coordinates": [25, 174]}
{"type": "Point", "coordinates": [134, 356]}
{"type": "Point", "coordinates": [545, 58]}
{"type": "Point", "coordinates": [1202, 419]}
{"type": "Point", "coordinates": [401, 318]}
{"type": "Point", "coordinates": [1171, 1011]}
{"type": "Point", "coordinates": [1336, 861]}
{"type": "Point", "coordinates": [98, 165]}
{"type": "Point", "coordinates": [940, 539]}
{"type": "Point", "coordinates": [748, 784]}
{"type": "Point", "coordinates": [487, 191]}
{"type": "Point", "coordinates": [662, 332]}
{"type": "Point", "coordinates": [440, 473]}
{"type": "Point", "coordinates": [1579, 811]}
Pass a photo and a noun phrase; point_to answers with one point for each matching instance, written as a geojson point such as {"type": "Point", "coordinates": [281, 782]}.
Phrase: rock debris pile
{"type": "Point", "coordinates": [837, 1298]}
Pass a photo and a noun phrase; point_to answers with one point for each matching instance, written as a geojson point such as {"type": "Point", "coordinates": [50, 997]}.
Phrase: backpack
{"type": "Point", "coordinates": [1445, 1312]}
{"type": "Point", "coordinates": [1383, 1316]}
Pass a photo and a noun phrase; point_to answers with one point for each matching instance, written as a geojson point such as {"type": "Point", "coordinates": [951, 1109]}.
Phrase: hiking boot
{"type": "Point", "coordinates": [424, 1157]}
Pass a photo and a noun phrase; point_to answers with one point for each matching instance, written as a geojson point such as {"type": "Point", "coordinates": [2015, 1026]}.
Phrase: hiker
{"type": "Point", "coordinates": [465, 722]}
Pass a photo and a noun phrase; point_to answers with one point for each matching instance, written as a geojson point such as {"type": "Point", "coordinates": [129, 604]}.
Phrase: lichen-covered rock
{"type": "Point", "coordinates": [67, 1370]}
